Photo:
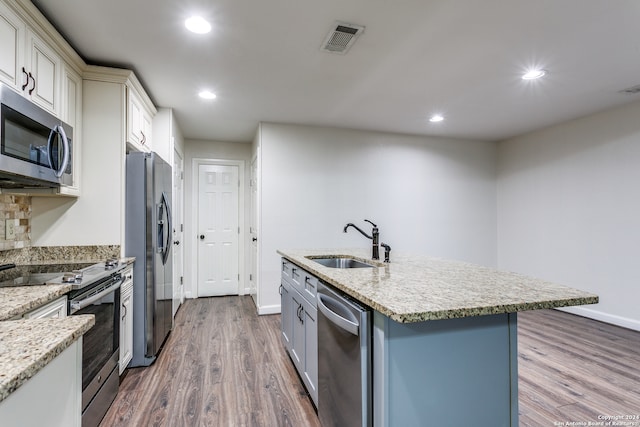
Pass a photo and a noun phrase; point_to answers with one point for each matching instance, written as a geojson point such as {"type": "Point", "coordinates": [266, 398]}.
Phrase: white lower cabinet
{"type": "Point", "coordinates": [56, 309]}
{"type": "Point", "coordinates": [126, 320]}
{"type": "Point", "coordinates": [52, 397]}
{"type": "Point", "coordinates": [299, 329]}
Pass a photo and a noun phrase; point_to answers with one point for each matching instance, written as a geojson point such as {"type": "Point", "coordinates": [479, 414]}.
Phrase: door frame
{"type": "Point", "coordinates": [253, 229]}
{"type": "Point", "coordinates": [195, 187]}
{"type": "Point", "coordinates": [178, 208]}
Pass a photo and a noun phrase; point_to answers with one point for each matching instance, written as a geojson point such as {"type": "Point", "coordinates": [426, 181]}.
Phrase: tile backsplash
{"type": "Point", "coordinates": [15, 212]}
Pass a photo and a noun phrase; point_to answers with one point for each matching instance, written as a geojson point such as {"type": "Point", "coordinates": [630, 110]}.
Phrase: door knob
{"type": "Point", "coordinates": [255, 239]}
{"type": "Point", "coordinates": [177, 242]}
{"type": "Point", "coordinates": [202, 237]}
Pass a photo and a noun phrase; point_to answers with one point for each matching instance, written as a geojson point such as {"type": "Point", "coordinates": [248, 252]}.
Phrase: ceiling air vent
{"type": "Point", "coordinates": [341, 37]}
{"type": "Point", "coordinates": [631, 90]}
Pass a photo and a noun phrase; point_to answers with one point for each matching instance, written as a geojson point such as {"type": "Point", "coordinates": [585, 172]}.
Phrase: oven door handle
{"type": "Point", "coordinates": [79, 305]}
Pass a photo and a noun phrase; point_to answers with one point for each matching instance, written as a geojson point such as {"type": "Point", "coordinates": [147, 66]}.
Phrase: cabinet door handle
{"type": "Point", "coordinates": [125, 311]}
{"type": "Point", "coordinates": [34, 83]}
{"type": "Point", "coordinates": [24, 86]}
{"type": "Point", "coordinates": [280, 290]}
{"type": "Point", "coordinates": [300, 310]}
{"type": "Point", "coordinates": [144, 138]}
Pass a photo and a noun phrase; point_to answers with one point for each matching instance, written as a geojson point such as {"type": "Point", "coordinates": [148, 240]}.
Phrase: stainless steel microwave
{"type": "Point", "coordinates": [35, 146]}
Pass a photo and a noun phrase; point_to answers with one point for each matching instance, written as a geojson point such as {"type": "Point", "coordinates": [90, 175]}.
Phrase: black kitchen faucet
{"type": "Point", "coordinates": [374, 236]}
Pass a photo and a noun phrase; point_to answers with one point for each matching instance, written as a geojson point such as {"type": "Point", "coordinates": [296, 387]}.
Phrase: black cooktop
{"type": "Point", "coordinates": [36, 274]}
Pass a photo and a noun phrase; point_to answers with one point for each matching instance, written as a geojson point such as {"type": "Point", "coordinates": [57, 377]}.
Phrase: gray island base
{"type": "Point", "coordinates": [456, 372]}
{"type": "Point", "coordinates": [444, 336]}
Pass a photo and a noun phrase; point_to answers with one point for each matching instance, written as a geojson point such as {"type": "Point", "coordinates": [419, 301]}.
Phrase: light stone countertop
{"type": "Point", "coordinates": [417, 288]}
{"type": "Point", "coordinates": [27, 346]}
{"type": "Point", "coordinates": [18, 300]}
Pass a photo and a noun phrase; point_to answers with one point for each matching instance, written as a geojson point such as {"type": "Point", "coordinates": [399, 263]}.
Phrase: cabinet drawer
{"type": "Point", "coordinates": [297, 277]}
{"type": "Point", "coordinates": [55, 309]}
{"type": "Point", "coordinates": [286, 270]}
{"type": "Point", "coordinates": [310, 287]}
{"type": "Point", "coordinates": [293, 274]}
{"type": "Point", "coordinates": [302, 281]}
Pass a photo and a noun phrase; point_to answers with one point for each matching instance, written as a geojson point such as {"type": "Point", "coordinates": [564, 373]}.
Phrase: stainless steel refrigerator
{"type": "Point", "coordinates": [148, 237]}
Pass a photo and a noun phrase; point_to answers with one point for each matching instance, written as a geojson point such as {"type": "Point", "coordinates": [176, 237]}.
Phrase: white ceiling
{"type": "Point", "coordinates": [460, 58]}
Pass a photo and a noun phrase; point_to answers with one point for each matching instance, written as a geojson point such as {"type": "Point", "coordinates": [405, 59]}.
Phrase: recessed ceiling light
{"type": "Point", "coordinates": [205, 94]}
{"type": "Point", "coordinates": [436, 118]}
{"type": "Point", "coordinates": [534, 74]}
{"type": "Point", "coordinates": [197, 24]}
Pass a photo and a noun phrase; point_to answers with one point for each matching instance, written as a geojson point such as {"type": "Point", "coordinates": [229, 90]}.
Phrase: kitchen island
{"type": "Point", "coordinates": [444, 334]}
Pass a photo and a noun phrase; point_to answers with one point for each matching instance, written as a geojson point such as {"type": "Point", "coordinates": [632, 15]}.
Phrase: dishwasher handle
{"type": "Point", "coordinates": [348, 325]}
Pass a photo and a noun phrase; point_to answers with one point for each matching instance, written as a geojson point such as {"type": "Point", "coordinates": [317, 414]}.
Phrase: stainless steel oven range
{"type": "Point", "coordinates": [96, 290]}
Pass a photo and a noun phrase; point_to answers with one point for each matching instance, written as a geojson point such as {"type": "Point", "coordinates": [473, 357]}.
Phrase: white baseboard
{"type": "Point", "coordinates": [624, 322]}
{"type": "Point", "coordinates": [269, 309]}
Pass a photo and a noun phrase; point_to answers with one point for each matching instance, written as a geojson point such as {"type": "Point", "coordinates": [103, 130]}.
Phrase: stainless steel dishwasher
{"type": "Point", "coordinates": [344, 360]}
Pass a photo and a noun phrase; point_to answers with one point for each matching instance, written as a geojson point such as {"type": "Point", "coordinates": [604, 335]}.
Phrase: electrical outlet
{"type": "Point", "coordinates": [9, 229]}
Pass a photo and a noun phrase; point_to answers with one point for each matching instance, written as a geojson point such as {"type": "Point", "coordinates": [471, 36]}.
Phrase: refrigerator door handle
{"type": "Point", "coordinates": [166, 245]}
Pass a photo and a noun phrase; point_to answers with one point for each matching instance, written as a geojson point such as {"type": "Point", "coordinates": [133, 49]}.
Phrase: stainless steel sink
{"type": "Point", "coordinates": [341, 262]}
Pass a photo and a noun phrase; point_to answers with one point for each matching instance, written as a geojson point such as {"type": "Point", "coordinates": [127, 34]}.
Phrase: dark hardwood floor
{"type": "Point", "coordinates": [573, 369]}
{"type": "Point", "coordinates": [225, 366]}
{"type": "Point", "coordinates": [222, 365]}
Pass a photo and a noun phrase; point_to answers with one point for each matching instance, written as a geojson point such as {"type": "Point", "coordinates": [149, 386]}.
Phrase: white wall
{"type": "Point", "coordinates": [97, 216]}
{"type": "Point", "coordinates": [569, 209]}
{"type": "Point", "coordinates": [199, 149]}
{"type": "Point", "coordinates": [432, 196]}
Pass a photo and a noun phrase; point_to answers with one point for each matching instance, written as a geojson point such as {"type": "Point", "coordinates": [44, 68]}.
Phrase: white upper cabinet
{"type": "Point", "coordinates": [139, 122]}
{"type": "Point", "coordinates": [39, 64]}
{"type": "Point", "coordinates": [12, 41]}
{"type": "Point", "coordinates": [167, 137]}
{"type": "Point", "coordinates": [27, 63]}
{"type": "Point", "coordinates": [44, 74]}
{"type": "Point", "coordinates": [71, 113]}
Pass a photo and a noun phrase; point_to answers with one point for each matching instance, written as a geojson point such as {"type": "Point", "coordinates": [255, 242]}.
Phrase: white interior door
{"type": "Point", "coordinates": [178, 231]}
{"type": "Point", "coordinates": [218, 225]}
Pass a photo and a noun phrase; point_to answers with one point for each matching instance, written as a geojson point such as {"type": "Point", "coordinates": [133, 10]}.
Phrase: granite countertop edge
{"type": "Point", "coordinates": [27, 346]}
{"type": "Point", "coordinates": [407, 267]}
{"type": "Point", "coordinates": [18, 300]}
